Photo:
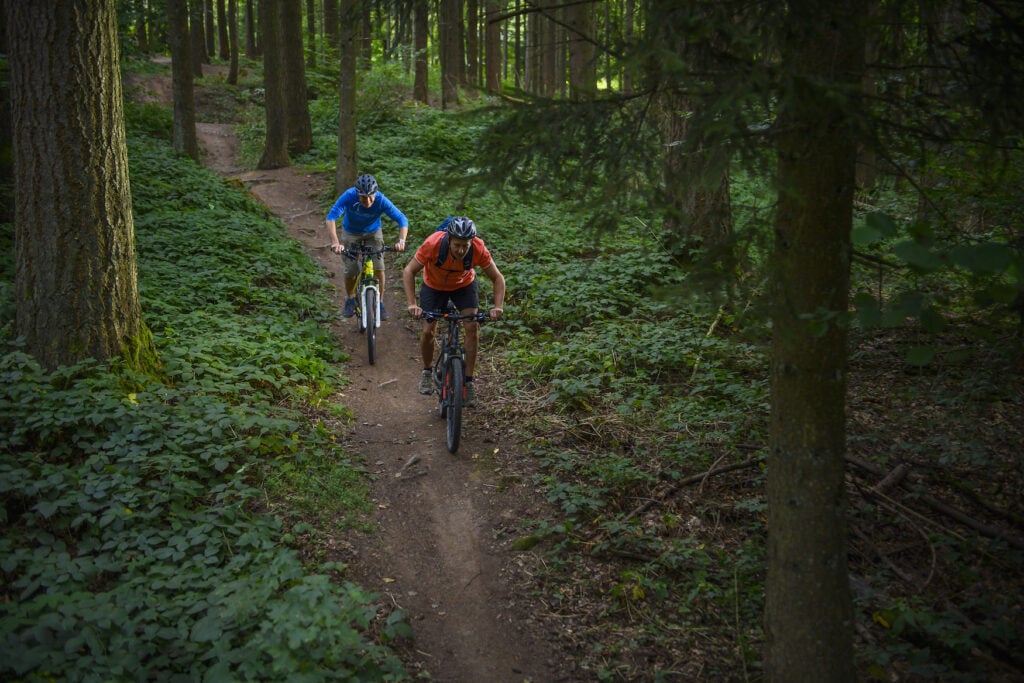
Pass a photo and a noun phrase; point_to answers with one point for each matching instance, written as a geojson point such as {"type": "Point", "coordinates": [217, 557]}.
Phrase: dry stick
{"type": "Point", "coordinates": [698, 478]}
{"type": "Point", "coordinates": [942, 508]}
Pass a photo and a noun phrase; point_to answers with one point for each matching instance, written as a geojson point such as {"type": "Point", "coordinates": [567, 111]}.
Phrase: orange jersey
{"type": "Point", "coordinates": [450, 275]}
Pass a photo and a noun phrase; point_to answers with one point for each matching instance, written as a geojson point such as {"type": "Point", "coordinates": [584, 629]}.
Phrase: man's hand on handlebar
{"type": "Point", "coordinates": [415, 311]}
{"type": "Point", "coordinates": [337, 248]}
{"type": "Point", "coordinates": [496, 313]}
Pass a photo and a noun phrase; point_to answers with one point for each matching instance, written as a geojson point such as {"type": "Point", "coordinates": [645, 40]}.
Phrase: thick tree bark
{"type": "Point", "coordinates": [275, 149]}
{"type": "Point", "coordinates": [76, 284]}
{"type": "Point", "coordinates": [183, 132]}
{"type": "Point", "coordinates": [421, 28]}
{"type": "Point", "coordinates": [809, 612]}
{"type": "Point", "coordinates": [300, 129]}
{"type": "Point", "coordinates": [347, 162]}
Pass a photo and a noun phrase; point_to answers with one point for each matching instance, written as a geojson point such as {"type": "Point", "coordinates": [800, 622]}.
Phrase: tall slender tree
{"type": "Point", "coordinates": [421, 29]}
{"type": "Point", "coordinates": [76, 282]}
{"type": "Point", "coordinates": [183, 130]}
{"type": "Point", "coordinates": [300, 129]}
{"type": "Point", "coordinates": [275, 148]}
{"type": "Point", "coordinates": [233, 37]}
{"type": "Point", "coordinates": [809, 611]}
{"type": "Point", "coordinates": [223, 39]}
{"type": "Point", "coordinates": [346, 168]}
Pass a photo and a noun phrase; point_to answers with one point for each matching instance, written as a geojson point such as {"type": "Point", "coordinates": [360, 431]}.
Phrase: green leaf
{"type": "Point", "coordinates": [986, 258]}
{"type": "Point", "coordinates": [932, 321]}
{"type": "Point", "coordinates": [206, 630]}
{"type": "Point", "coordinates": [917, 255]}
{"type": "Point", "coordinates": [920, 355]}
{"type": "Point", "coordinates": [863, 235]}
{"type": "Point", "coordinates": [882, 223]}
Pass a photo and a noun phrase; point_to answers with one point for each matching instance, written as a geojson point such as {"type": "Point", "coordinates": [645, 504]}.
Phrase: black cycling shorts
{"type": "Point", "coordinates": [433, 300]}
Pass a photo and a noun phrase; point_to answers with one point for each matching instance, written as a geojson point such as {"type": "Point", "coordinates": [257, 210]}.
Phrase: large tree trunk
{"type": "Point", "coordinates": [809, 612]}
{"type": "Point", "coordinates": [183, 132]}
{"type": "Point", "coordinates": [346, 168]}
{"type": "Point", "coordinates": [76, 285]}
{"type": "Point", "coordinates": [421, 28]}
{"type": "Point", "coordinates": [300, 129]}
{"type": "Point", "coordinates": [275, 149]}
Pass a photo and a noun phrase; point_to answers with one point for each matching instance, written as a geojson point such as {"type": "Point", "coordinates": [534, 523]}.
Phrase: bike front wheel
{"type": "Point", "coordinates": [454, 386]}
{"type": "Point", "coordinates": [370, 304]}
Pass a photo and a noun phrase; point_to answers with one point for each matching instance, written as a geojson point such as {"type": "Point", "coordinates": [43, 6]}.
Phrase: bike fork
{"type": "Point", "coordinates": [362, 306]}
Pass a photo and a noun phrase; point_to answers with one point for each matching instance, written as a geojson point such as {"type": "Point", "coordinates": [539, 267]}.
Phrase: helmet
{"type": "Point", "coordinates": [366, 184]}
{"type": "Point", "coordinates": [462, 228]}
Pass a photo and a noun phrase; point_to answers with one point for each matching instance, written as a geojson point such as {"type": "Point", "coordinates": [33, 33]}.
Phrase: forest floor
{"type": "Point", "coordinates": [441, 549]}
{"type": "Point", "coordinates": [444, 523]}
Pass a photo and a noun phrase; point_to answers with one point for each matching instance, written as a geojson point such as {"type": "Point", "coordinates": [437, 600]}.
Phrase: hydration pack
{"type": "Point", "coordinates": [442, 255]}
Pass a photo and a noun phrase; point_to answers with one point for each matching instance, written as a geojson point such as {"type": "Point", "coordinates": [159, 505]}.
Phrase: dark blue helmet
{"type": "Point", "coordinates": [462, 228]}
{"type": "Point", "coordinates": [366, 184]}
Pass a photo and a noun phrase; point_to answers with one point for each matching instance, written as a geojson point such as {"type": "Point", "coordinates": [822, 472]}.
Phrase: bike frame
{"type": "Point", "coordinates": [450, 368]}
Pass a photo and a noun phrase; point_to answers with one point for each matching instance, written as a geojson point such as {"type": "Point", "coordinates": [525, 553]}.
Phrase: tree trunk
{"type": "Point", "coordinates": [300, 129]}
{"type": "Point", "coordinates": [76, 283]}
{"type": "Point", "coordinates": [582, 52]}
{"type": "Point", "coordinates": [233, 37]}
{"type": "Point", "coordinates": [197, 41]}
{"type": "Point", "coordinates": [492, 47]}
{"type": "Point", "coordinates": [183, 132]}
{"type": "Point", "coordinates": [223, 39]}
{"type": "Point", "coordinates": [472, 36]}
{"type": "Point", "coordinates": [331, 26]}
{"type": "Point", "coordinates": [275, 150]}
{"type": "Point", "coordinates": [211, 46]}
{"type": "Point", "coordinates": [449, 34]}
{"type": "Point", "coordinates": [251, 47]}
{"type": "Point", "coordinates": [808, 611]}
{"type": "Point", "coordinates": [347, 163]}
{"type": "Point", "coordinates": [421, 28]}
{"type": "Point", "coordinates": [311, 33]}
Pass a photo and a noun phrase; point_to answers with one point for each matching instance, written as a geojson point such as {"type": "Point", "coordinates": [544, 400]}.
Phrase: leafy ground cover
{"type": "Point", "coordinates": [136, 536]}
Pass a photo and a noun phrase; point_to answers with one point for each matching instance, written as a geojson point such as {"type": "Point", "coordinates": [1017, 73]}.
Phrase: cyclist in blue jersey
{"type": "Point", "coordinates": [360, 207]}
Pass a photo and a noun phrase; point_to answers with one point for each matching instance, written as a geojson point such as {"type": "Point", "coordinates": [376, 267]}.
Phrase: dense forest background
{"type": "Point", "coordinates": [763, 338]}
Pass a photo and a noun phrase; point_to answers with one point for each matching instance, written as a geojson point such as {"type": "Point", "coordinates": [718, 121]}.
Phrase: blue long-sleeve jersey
{"type": "Point", "coordinates": [360, 220]}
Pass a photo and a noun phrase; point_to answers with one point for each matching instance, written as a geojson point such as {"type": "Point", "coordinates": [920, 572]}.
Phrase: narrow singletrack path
{"type": "Point", "coordinates": [445, 523]}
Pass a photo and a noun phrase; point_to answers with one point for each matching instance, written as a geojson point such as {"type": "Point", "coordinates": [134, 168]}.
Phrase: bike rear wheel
{"type": "Point", "coordinates": [454, 386]}
{"type": "Point", "coordinates": [370, 302]}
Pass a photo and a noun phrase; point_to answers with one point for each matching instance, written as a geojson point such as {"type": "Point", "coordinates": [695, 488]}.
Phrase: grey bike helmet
{"type": "Point", "coordinates": [366, 184]}
{"type": "Point", "coordinates": [462, 228]}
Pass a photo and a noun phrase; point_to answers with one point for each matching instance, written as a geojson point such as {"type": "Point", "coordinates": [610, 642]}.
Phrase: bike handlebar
{"type": "Point", "coordinates": [479, 316]}
{"type": "Point", "coordinates": [356, 252]}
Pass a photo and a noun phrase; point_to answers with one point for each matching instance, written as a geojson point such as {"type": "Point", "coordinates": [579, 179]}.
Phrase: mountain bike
{"type": "Point", "coordinates": [450, 369]}
{"type": "Point", "coordinates": [368, 295]}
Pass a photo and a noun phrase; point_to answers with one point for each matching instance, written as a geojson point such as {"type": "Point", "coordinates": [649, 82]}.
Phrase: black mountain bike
{"type": "Point", "coordinates": [368, 295]}
{"type": "Point", "coordinates": [450, 369]}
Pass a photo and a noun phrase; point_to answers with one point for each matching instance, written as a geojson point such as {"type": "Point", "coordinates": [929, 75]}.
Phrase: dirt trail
{"type": "Point", "coordinates": [446, 522]}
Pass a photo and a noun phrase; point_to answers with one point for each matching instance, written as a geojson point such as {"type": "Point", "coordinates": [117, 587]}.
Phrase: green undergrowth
{"type": "Point", "coordinates": [146, 522]}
